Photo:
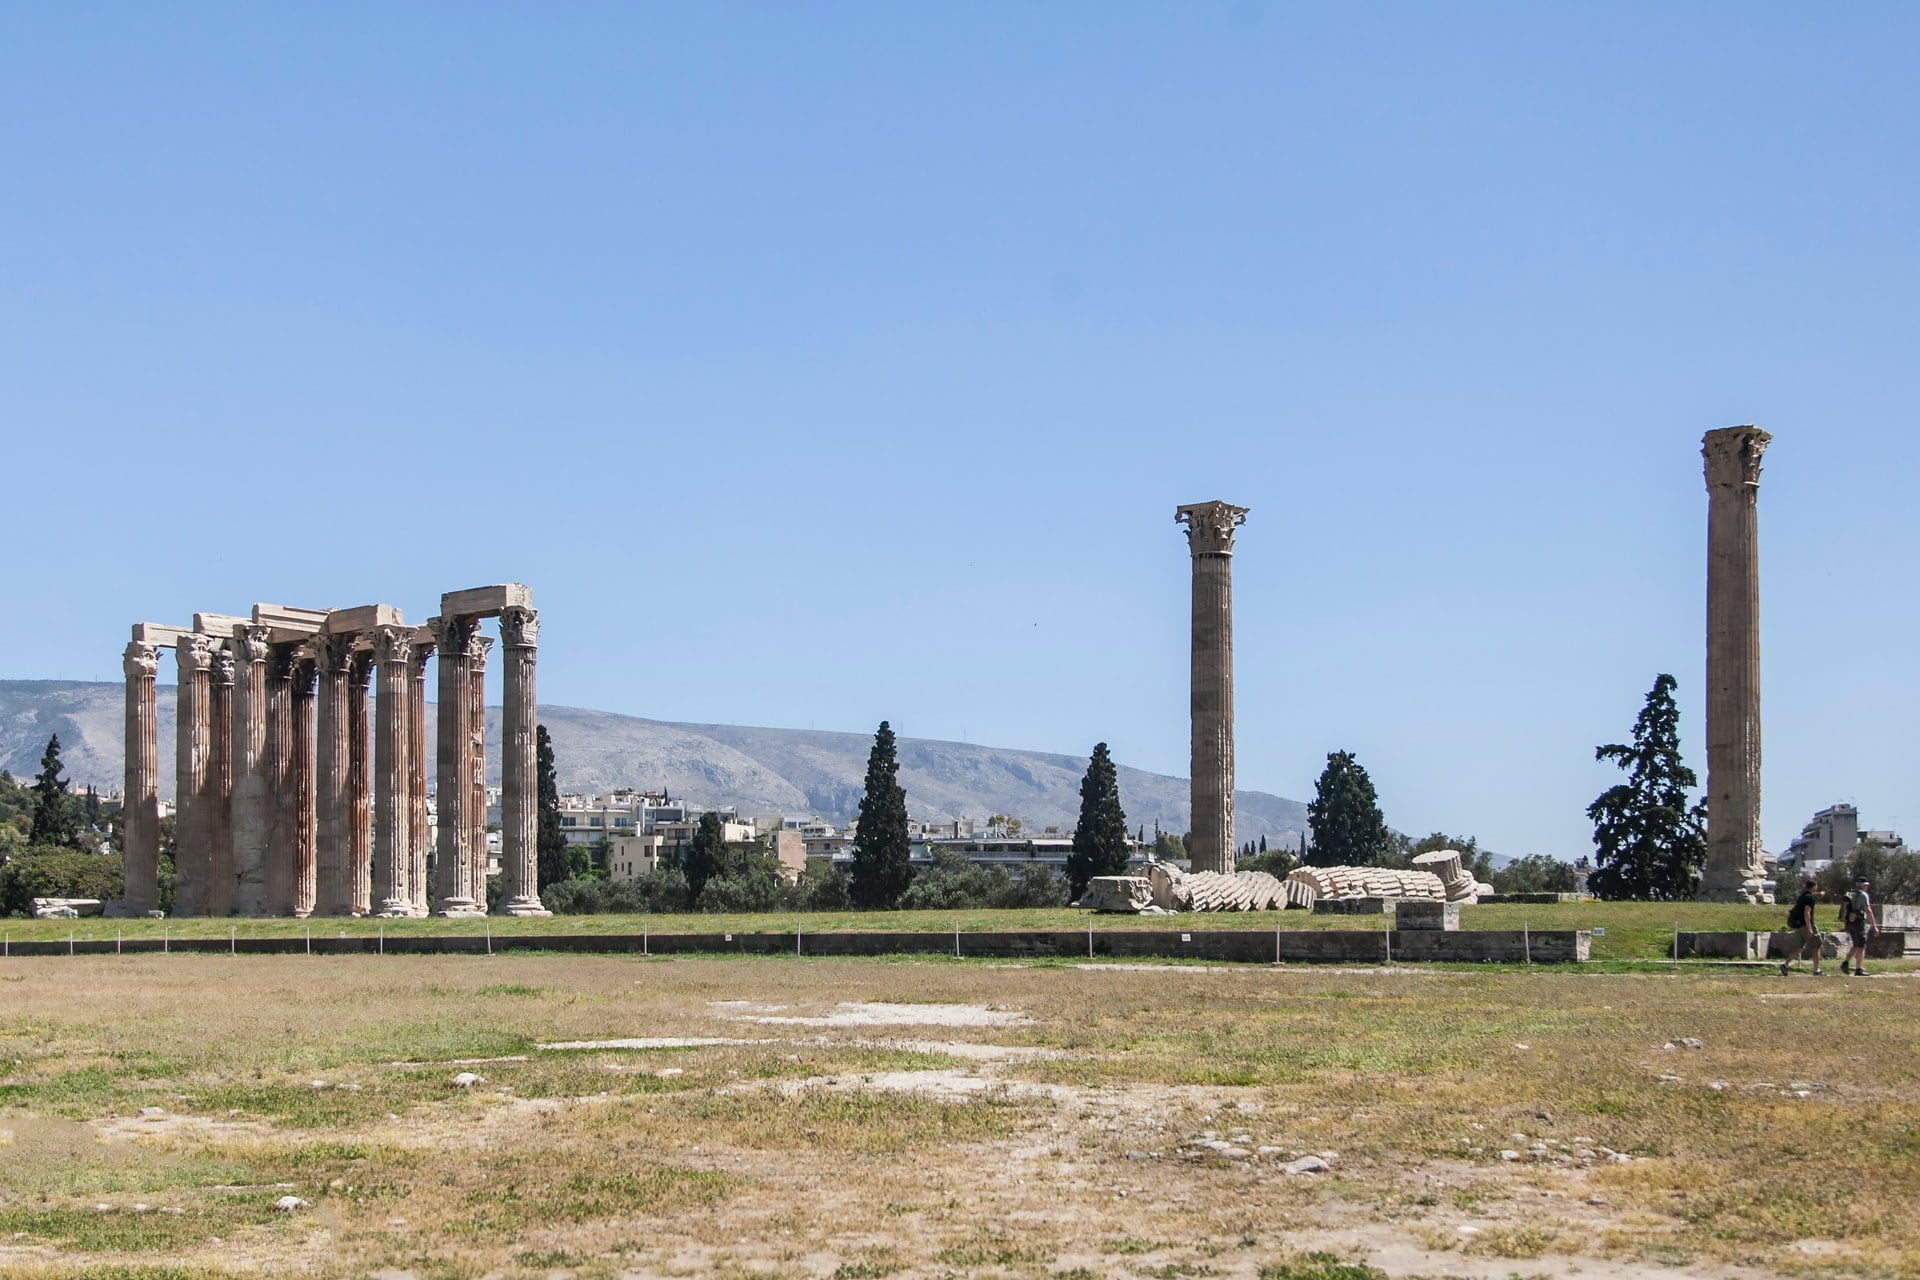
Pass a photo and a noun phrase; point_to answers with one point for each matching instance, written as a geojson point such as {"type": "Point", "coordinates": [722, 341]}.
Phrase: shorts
{"type": "Point", "coordinates": [1857, 933]}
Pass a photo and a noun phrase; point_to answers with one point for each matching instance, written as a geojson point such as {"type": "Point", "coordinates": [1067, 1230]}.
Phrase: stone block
{"type": "Point", "coordinates": [66, 908]}
{"type": "Point", "coordinates": [483, 601]}
{"type": "Point", "coordinates": [159, 634]}
{"type": "Point", "coordinates": [1414, 913]}
{"type": "Point", "coordinates": [218, 624]}
{"type": "Point", "coordinates": [1721, 945]}
{"type": "Point", "coordinates": [1128, 894]}
{"type": "Point", "coordinates": [1350, 907]}
{"type": "Point", "coordinates": [1775, 946]}
{"type": "Point", "coordinates": [364, 617]}
{"type": "Point", "coordinates": [1894, 916]}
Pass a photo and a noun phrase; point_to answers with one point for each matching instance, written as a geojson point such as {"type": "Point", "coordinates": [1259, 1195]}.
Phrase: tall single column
{"type": "Point", "coordinates": [392, 800]}
{"type": "Point", "coordinates": [453, 794]}
{"type": "Point", "coordinates": [252, 785]}
{"type": "Point", "coordinates": [142, 804]}
{"type": "Point", "coordinates": [417, 887]}
{"type": "Point", "coordinates": [331, 654]}
{"type": "Point", "coordinates": [220, 875]}
{"type": "Point", "coordinates": [359, 792]}
{"type": "Point", "coordinates": [1210, 527]}
{"type": "Point", "coordinates": [300, 784]}
{"type": "Point", "coordinates": [477, 771]}
{"type": "Point", "coordinates": [280, 831]}
{"type": "Point", "coordinates": [519, 716]}
{"type": "Point", "coordinates": [192, 751]}
{"type": "Point", "coordinates": [1735, 871]}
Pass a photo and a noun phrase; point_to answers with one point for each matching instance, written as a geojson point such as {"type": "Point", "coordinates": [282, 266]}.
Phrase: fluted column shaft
{"type": "Point", "coordinates": [1210, 529]}
{"type": "Point", "coordinates": [519, 717]}
{"type": "Point", "coordinates": [453, 870]}
{"type": "Point", "coordinates": [220, 874]}
{"type": "Point", "coordinates": [331, 812]}
{"type": "Point", "coordinates": [392, 799]}
{"type": "Point", "coordinates": [192, 751]}
{"type": "Point", "coordinates": [252, 783]}
{"type": "Point", "coordinates": [359, 832]}
{"type": "Point", "coordinates": [1735, 870]}
{"type": "Point", "coordinates": [417, 862]}
{"type": "Point", "coordinates": [141, 813]}
{"type": "Point", "coordinates": [301, 782]}
{"type": "Point", "coordinates": [477, 771]}
{"type": "Point", "coordinates": [280, 832]}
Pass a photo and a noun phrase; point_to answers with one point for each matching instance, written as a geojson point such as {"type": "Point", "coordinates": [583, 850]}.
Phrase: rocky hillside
{"type": "Point", "coordinates": [761, 771]}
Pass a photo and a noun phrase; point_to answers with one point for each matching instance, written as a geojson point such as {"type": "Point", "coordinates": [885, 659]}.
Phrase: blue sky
{"type": "Point", "coordinates": [823, 363]}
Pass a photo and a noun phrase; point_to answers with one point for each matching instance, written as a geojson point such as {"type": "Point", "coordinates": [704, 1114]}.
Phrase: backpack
{"type": "Point", "coordinates": [1796, 916]}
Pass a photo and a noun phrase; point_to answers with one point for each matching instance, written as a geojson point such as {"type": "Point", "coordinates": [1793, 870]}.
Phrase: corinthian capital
{"type": "Point", "coordinates": [223, 666]}
{"type": "Point", "coordinates": [392, 644]}
{"type": "Point", "coordinates": [1210, 526]}
{"type": "Point", "coordinates": [1733, 456]}
{"type": "Point", "coordinates": [332, 653]}
{"type": "Point", "coordinates": [452, 634]}
{"type": "Point", "coordinates": [519, 627]}
{"type": "Point", "coordinates": [194, 654]}
{"type": "Point", "coordinates": [141, 660]}
{"type": "Point", "coordinates": [251, 643]}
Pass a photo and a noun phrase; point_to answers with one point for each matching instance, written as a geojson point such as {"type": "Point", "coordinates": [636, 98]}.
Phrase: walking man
{"type": "Point", "coordinates": [1800, 921]}
{"type": "Point", "coordinates": [1860, 924]}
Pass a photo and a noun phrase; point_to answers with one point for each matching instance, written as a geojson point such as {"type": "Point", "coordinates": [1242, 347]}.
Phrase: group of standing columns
{"type": "Point", "coordinates": [293, 800]}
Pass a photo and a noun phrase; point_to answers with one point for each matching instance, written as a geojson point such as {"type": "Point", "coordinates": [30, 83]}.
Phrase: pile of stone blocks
{"type": "Point", "coordinates": [1370, 882]}
{"type": "Point", "coordinates": [1458, 884]}
{"type": "Point", "coordinates": [66, 908]}
{"type": "Point", "coordinates": [1130, 894]}
{"type": "Point", "coordinates": [1172, 889]}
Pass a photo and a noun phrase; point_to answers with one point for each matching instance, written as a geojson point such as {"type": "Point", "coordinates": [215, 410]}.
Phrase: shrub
{"type": "Point", "coordinates": [1535, 873]}
{"type": "Point", "coordinates": [49, 871]}
{"type": "Point", "coordinates": [655, 892]}
{"type": "Point", "coordinates": [1894, 871]}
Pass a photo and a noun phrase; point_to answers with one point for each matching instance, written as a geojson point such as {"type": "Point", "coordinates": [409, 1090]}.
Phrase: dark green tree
{"type": "Point", "coordinates": [1348, 830]}
{"type": "Point", "coordinates": [1100, 839]}
{"type": "Point", "coordinates": [1535, 873]}
{"type": "Point", "coordinates": [550, 843]}
{"type": "Point", "coordinates": [882, 858]}
{"type": "Point", "coordinates": [707, 856]}
{"type": "Point", "coordinates": [54, 819]}
{"type": "Point", "coordinates": [1649, 842]}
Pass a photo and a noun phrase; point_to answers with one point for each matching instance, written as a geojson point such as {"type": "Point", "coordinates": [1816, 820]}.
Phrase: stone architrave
{"type": "Point", "coordinates": [519, 857]}
{"type": "Point", "coordinates": [477, 772]}
{"type": "Point", "coordinates": [142, 800]}
{"type": "Point", "coordinates": [300, 783]}
{"type": "Point", "coordinates": [1735, 871]}
{"type": "Point", "coordinates": [417, 862]}
{"type": "Point", "coordinates": [253, 799]}
{"type": "Point", "coordinates": [220, 875]}
{"type": "Point", "coordinates": [392, 800]}
{"type": "Point", "coordinates": [192, 751]}
{"type": "Point", "coordinates": [359, 836]}
{"type": "Point", "coordinates": [331, 656]}
{"type": "Point", "coordinates": [1210, 531]}
{"type": "Point", "coordinates": [457, 638]}
{"type": "Point", "coordinates": [280, 832]}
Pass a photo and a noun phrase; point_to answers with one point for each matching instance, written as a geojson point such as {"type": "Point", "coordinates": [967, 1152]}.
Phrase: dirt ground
{"type": "Point", "coordinates": [605, 1116]}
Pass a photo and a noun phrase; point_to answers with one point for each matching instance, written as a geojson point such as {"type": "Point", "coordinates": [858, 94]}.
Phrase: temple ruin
{"type": "Point", "coordinates": [1210, 527]}
{"type": "Point", "coordinates": [285, 805]}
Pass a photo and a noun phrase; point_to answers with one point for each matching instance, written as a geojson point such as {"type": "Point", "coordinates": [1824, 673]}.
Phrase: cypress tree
{"type": "Point", "coordinates": [1100, 839]}
{"type": "Point", "coordinates": [550, 843]}
{"type": "Point", "coordinates": [54, 819]}
{"type": "Point", "coordinates": [1649, 843]}
{"type": "Point", "coordinates": [882, 858]}
{"type": "Point", "coordinates": [1348, 830]}
{"type": "Point", "coordinates": [707, 857]}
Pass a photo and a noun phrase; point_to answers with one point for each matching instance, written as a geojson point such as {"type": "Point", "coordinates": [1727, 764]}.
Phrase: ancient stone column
{"type": "Point", "coordinates": [453, 795]}
{"type": "Point", "coordinates": [192, 750]}
{"type": "Point", "coordinates": [520, 867]}
{"type": "Point", "coordinates": [417, 863]}
{"type": "Point", "coordinates": [477, 772]}
{"type": "Point", "coordinates": [300, 784]}
{"type": "Point", "coordinates": [220, 875]}
{"type": "Point", "coordinates": [392, 798]}
{"type": "Point", "coordinates": [332, 896]}
{"type": "Point", "coordinates": [252, 784]}
{"type": "Point", "coordinates": [1210, 527]}
{"type": "Point", "coordinates": [1734, 871]}
{"type": "Point", "coordinates": [142, 803]}
{"type": "Point", "coordinates": [280, 830]}
{"type": "Point", "coordinates": [359, 797]}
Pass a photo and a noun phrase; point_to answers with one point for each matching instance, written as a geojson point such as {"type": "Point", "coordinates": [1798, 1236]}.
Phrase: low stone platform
{"type": "Point", "coordinates": [1888, 944]}
{"type": "Point", "coordinates": [1268, 946]}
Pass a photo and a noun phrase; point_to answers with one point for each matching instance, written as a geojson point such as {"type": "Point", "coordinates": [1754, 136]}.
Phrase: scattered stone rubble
{"type": "Point", "coordinates": [1438, 877]}
{"type": "Point", "coordinates": [1455, 881]}
{"type": "Point", "coordinates": [1370, 882]}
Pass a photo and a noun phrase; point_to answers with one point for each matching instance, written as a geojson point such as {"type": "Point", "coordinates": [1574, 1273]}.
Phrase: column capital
{"type": "Point", "coordinates": [331, 654]}
{"type": "Point", "coordinates": [1210, 526]}
{"type": "Point", "coordinates": [223, 665]}
{"type": "Point", "coordinates": [1733, 456]}
{"type": "Point", "coordinates": [140, 661]}
{"type": "Point", "coordinates": [519, 627]}
{"type": "Point", "coordinates": [194, 653]}
{"type": "Point", "coordinates": [392, 644]}
{"type": "Point", "coordinates": [452, 633]}
{"type": "Point", "coordinates": [251, 643]}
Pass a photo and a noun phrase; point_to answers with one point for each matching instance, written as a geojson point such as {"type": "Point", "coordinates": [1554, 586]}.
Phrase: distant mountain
{"type": "Point", "coordinates": [761, 771]}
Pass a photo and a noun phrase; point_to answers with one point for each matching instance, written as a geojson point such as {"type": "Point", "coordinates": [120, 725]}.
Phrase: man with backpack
{"type": "Point", "coordinates": [1857, 916]}
{"type": "Point", "coordinates": [1800, 921]}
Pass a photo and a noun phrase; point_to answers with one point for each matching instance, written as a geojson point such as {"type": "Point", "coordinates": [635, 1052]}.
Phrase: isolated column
{"type": "Point", "coordinates": [359, 790]}
{"type": "Point", "coordinates": [453, 795]}
{"type": "Point", "coordinates": [142, 804]}
{"type": "Point", "coordinates": [192, 750]}
{"type": "Point", "coordinates": [421, 846]}
{"type": "Point", "coordinates": [219, 886]}
{"type": "Point", "coordinates": [520, 867]}
{"type": "Point", "coordinates": [252, 787]}
{"type": "Point", "coordinates": [1735, 871]}
{"type": "Point", "coordinates": [331, 896]}
{"type": "Point", "coordinates": [477, 771]}
{"type": "Point", "coordinates": [392, 802]}
{"type": "Point", "coordinates": [300, 784]}
{"type": "Point", "coordinates": [1210, 527]}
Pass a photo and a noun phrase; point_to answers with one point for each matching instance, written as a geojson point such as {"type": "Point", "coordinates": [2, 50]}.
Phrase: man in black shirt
{"type": "Point", "coordinates": [1804, 935]}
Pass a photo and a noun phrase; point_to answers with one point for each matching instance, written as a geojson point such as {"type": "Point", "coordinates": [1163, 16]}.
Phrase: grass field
{"type": "Point", "coordinates": [1634, 930]}
{"type": "Point", "coordinates": [919, 1118]}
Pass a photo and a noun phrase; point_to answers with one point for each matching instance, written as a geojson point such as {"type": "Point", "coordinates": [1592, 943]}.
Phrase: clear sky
{"type": "Point", "coordinates": [823, 363]}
